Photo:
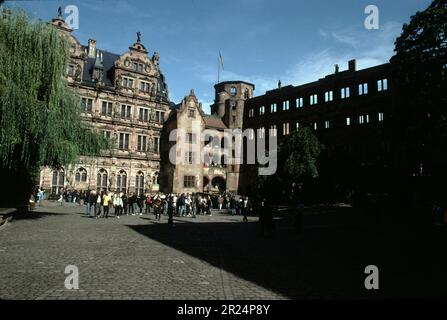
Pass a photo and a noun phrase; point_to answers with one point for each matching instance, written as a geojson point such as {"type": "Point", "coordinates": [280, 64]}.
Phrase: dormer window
{"type": "Point", "coordinates": [127, 83]}
{"type": "Point", "coordinates": [138, 67]}
{"type": "Point", "coordinates": [191, 113]}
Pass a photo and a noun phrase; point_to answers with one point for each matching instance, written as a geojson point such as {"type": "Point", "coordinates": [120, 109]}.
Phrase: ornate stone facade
{"type": "Point", "coordinates": [125, 97]}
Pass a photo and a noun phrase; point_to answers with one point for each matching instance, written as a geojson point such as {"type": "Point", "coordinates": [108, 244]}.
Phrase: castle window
{"type": "Point", "coordinates": [144, 114]}
{"type": "Point", "coordinates": [191, 113]}
{"type": "Point", "coordinates": [57, 183]}
{"type": "Point", "coordinates": [327, 124]}
{"type": "Point", "coordinates": [246, 93]}
{"type": "Point", "coordinates": [70, 70]}
{"type": "Point", "coordinates": [126, 111]}
{"type": "Point", "coordinates": [381, 118]}
{"type": "Point", "coordinates": [286, 128]}
{"type": "Point", "coordinates": [142, 143]}
{"type": "Point", "coordinates": [261, 110]}
{"type": "Point", "coordinates": [101, 181]}
{"type": "Point", "coordinates": [81, 175]}
{"type": "Point", "coordinates": [348, 121]}
{"type": "Point", "coordinates": [363, 89]}
{"type": "Point", "coordinates": [315, 125]}
{"type": "Point", "coordinates": [145, 86]}
{"type": "Point", "coordinates": [313, 99]}
{"type": "Point", "coordinates": [251, 113]}
{"type": "Point", "coordinates": [87, 105]}
{"type": "Point", "coordinates": [121, 181]}
{"type": "Point", "coordinates": [159, 117]}
{"type": "Point", "coordinates": [363, 119]}
{"type": "Point", "coordinates": [285, 105]}
{"type": "Point", "coordinates": [299, 102]}
{"type": "Point", "coordinates": [189, 157]}
{"type": "Point", "coordinates": [261, 133]}
{"type": "Point", "coordinates": [138, 67]}
{"type": "Point", "coordinates": [156, 145]}
{"type": "Point", "coordinates": [191, 137]}
{"type": "Point", "coordinates": [297, 125]}
{"type": "Point", "coordinates": [107, 108]}
{"type": "Point", "coordinates": [139, 183]}
{"type": "Point", "coordinates": [328, 96]}
{"type": "Point", "coordinates": [345, 93]}
{"type": "Point", "coordinates": [189, 181]}
{"type": "Point", "coordinates": [382, 85]}
{"type": "Point", "coordinates": [127, 83]}
{"type": "Point", "coordinates": [273, 107]}
{"type": "Point", "coordinates": [106, 134]}
{"type": "Point", "coordinates": [273, 130]}
{"type": "Point", "coordinates": [123, 142]}
{"type": "Point", "coordinates": [233, 91]}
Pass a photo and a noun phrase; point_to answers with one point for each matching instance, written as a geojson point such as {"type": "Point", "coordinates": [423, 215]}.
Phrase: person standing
{"type": "Point", "coordinates": [148, 203]}
{"type": "Point", "coordinates": [106, 204]}
{"type": "Point", "coordinates": [245, 208]}
{"type": "Point", "coordinates": [125, 204]}
{"type": "Point", "coordinates": [171, 211]}
{"type": "Point", "coordinates": [118, 204]}
{"type": "Point", "coordinates": [181, 205]}
{"type": "Point", "coordinates": [131, 203]}
{"type": "Point", "coordinates": [90, 202]}
{"type": "Point", "coordinates": [98, 203]}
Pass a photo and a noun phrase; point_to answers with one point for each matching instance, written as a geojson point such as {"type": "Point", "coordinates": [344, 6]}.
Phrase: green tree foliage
{"type": "Point", "coordinates": [420, 66]}
{"type": "Point", "coordinates": [40, 116]}
{"type": "Point", "coordinates": [298, 161]}
{"type": "Point", "coordinates": [300, 153]}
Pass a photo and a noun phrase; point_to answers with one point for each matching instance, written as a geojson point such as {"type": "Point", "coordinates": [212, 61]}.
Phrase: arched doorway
{"type": "Point", "coordinates": [218, 184]}
{"type": "Point", "coordinates": [206, 183]}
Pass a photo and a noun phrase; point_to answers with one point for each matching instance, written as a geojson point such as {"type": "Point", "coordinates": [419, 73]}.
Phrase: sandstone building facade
{"type": "Point", "coordinates": [126, 98]}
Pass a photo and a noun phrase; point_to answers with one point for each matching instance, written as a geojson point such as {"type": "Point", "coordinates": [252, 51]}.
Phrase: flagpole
{"type": "Point", "coordinates": [218, 70]}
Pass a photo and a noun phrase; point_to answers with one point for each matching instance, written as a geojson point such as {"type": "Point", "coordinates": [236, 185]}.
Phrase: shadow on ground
{"type": "Point", "coordinates": [322, 262]}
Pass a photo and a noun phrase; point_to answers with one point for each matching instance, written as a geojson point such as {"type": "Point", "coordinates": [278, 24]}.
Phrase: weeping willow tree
{"type": "Point", "coordinates": [40, 116]}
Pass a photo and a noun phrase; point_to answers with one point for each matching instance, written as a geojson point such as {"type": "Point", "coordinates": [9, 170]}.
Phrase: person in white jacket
{"type": "Point", "coordinates": [118, 204]}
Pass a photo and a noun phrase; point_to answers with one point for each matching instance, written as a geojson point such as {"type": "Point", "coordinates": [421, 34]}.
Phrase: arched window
{"type": "Point", "coordinates": [121, 181]}
{"type": "Point", "coordinates": [81, 175]}
{"type": "Point", "coordinates": [233, 91]}
{"type": "Point", "coordinates": [139, 183]}
{"type": "Point", "coordinates": [57, 183]}
{"type": "Point", "coordinates": [101, 181]}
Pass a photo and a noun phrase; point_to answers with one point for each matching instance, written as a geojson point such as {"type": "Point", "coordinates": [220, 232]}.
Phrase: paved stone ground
{"type": "Point", "coordinates": [216, 257]}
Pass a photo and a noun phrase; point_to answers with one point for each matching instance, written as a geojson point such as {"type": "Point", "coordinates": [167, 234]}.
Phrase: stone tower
{"type": "Point", "coordinates": [229, 105]}
{"type": "Point", "coordinates": [229, 101]}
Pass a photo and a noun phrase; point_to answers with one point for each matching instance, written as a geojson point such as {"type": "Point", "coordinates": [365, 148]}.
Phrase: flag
{"type": "Point", "coordinates": [221, 62]}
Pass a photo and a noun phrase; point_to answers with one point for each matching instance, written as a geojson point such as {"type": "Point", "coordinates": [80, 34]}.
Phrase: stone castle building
{"type": "Point", "coordinates": [126, 98]}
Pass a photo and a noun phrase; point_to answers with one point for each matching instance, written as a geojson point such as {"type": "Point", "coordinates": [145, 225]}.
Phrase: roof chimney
{"type": "Point", "coordinates": [352, 65]}
{"type": "Point", "coordinates": [92, 48]}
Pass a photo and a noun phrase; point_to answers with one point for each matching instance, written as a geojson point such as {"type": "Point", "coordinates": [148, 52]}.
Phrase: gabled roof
{"type": "Point", "coordinates": [213, 121]}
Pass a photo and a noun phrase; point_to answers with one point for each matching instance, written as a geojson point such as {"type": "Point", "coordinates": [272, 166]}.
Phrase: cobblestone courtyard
{"type": "Point", "coordinates": [214, 257]}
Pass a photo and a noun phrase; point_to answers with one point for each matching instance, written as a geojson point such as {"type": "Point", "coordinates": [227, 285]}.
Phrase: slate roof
{"type": "Point", "coordinates": [108, 64]}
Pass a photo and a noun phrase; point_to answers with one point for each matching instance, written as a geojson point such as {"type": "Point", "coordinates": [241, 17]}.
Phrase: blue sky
{"type": "Point", "coordinates": [261, 41]}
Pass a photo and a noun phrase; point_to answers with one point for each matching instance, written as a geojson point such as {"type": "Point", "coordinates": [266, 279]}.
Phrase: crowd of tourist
{"type": "Point", "coordinates": [101, 204]}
